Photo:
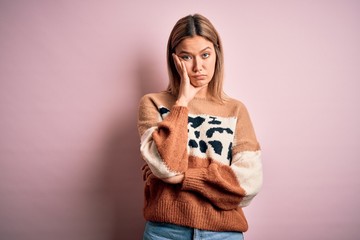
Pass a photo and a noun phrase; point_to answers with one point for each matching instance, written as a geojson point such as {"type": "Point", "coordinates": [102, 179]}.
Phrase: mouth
{"type": "Point", "coordinates": [199, 76]}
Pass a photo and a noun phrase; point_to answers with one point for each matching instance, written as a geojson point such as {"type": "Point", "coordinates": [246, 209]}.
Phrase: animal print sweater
{"type": "Point", "coordinates": [215, 146]}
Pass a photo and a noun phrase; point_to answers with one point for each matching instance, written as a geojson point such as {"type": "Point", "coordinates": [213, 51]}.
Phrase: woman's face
{"type": "Point", "coordinates": [200, 57]}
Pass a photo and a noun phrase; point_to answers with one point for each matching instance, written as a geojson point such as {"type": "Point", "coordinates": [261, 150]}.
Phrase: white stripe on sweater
{"type": "Point", "coordinates": [151, 155]}
{"type": "Point", "coordinates": [248, 169]}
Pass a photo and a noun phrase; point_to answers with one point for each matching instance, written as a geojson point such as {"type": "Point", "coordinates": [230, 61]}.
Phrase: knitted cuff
{"type": "Point", "coordinates": [176, 112]}
{"type": "Point", "coordinates": [194, 179]}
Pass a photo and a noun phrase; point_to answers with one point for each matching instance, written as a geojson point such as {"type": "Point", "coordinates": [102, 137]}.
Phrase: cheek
{"type": "Point", "coordinates": [211, 65]}
{"type": "Point", "coordinates": [188, 66]}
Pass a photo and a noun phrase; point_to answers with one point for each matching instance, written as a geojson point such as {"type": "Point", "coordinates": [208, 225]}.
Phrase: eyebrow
{"type": "Point", "coordinates": [183, 51]}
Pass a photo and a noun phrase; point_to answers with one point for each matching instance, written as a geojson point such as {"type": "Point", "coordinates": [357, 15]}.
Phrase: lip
{"type": "Point", "coordinates": [199, 76]}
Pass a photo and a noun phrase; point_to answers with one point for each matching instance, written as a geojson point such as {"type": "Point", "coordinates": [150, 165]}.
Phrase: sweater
{"type": "Point", "coordinates": [214, 145]}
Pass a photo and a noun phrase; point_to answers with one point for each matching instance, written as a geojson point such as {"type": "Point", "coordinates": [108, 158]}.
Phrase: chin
{"type": "Point", "coordinates": [200, 83]}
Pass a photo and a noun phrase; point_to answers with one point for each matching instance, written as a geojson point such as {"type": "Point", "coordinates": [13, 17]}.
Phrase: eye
{"type": "Point", "coordinates": [186, 57]}
{"type": "Point", "coordinates": [205, 55]}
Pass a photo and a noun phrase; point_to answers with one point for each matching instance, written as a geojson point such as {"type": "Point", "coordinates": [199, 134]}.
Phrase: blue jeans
{"type": "Point", "coordinates": [166, 231]}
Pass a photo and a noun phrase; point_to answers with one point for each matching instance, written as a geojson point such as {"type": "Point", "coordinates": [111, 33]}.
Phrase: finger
{"type": "Point", "coordinates": [184, 71]}
{"type": "Point", "coordinates": [148, 176]}
{"type": "Point", "coordinates": [148, 179]}
{"type": "Point", "coordinates": [177, 62]}
{"type": "Point", "coordinates": [145, 169]}
{"type": "Point", "coordinates": [144, 175]}
{"type": "Point", "coordinates": [148, 173]}
{"type": "Point", "coordinates": [180, 66]}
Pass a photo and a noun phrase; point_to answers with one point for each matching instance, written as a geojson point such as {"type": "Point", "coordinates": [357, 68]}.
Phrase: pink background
{"type": "Point", "coordinates": [71, 75]}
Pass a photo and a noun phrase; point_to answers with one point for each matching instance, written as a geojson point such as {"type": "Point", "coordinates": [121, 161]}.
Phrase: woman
{"type": "Point", "coordinates": [202, 157]}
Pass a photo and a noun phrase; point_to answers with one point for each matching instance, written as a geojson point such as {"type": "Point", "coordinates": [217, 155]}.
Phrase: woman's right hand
{"type": "Point", "coordinates": [186, 91]}
{"type": "Point", "coordinates": [148, 175]}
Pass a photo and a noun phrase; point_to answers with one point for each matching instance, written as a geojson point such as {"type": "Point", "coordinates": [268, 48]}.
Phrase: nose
{"type": "Point", "coordinates": [197, 64]}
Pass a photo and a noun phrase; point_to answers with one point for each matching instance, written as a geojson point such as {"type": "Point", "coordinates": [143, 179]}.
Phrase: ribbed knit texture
{"type": "Point", "coordinates": [169, 139]}
{"type": "Point", "coordinates": [201, 141]}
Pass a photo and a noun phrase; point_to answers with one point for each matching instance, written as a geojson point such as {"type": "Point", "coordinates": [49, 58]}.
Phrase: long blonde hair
{"type": "Point", "coordinates": [190, 26]}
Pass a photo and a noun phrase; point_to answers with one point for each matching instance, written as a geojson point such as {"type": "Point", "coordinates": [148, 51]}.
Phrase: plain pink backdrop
{"type": "Point", "coordinates": [71, 75]}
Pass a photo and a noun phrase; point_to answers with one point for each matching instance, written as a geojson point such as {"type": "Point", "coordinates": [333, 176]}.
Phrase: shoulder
{"type": "Point", "coordinates": [157, 99]}
{"type": "Point", "coordinates": [234, 104]}
{"type": "Point", "coordinates": [157, 96]}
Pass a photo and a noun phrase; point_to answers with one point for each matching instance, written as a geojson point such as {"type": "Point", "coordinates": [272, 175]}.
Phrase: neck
{"type": "Point", "coordinates": [203, 93]}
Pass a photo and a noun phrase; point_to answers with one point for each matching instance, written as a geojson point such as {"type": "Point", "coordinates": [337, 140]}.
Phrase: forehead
{"type": "Point", "coordinates": [194, 44]}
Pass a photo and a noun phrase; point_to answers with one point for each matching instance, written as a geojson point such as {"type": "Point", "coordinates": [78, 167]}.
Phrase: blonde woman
{"type": "Point", "coordinates": [202, 157]}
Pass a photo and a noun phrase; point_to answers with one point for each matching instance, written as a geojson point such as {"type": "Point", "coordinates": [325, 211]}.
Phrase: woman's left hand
{"type": "Point", "coordinates": [147, 175]}
{"type": "Point", "coordinates": [174, 180]}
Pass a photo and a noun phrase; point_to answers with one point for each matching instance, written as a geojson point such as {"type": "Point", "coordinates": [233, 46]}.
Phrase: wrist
{"type": "Point", "coordinates": [175, 179]}
{"type": "Point", "coordinates": [181, 102]}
